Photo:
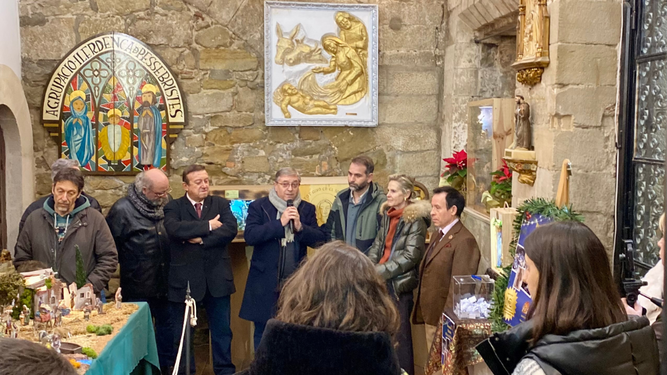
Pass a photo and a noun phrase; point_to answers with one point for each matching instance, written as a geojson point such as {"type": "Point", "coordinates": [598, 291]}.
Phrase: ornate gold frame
{"type": "Point", "coordinates": [532, 47]}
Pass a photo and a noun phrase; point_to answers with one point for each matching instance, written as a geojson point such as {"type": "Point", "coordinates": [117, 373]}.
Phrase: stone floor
{"type": "Point", "coordinates": [202, 353]}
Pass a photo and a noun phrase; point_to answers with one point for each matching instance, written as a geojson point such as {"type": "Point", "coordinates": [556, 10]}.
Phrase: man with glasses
{"type": "Point", "coordinates": [137, 225]}
{"type": "Point", "coordinates": [67, 221]}
{"type": "Point", "coordinates": [280, 227]}
{"type": "Point", "coordinates": [200, 226]}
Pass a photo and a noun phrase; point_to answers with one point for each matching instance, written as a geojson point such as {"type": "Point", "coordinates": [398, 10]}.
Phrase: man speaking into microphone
{"type": "Point", "coordinates": [280, 227]}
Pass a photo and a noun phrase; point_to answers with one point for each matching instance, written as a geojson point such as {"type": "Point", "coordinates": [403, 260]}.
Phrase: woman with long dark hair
{"type": "Point", "coordinates": [577, 323]}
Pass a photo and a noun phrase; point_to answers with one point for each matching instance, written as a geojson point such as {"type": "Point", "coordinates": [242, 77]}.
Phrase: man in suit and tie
{"type": "Point", "coordinates": [453, 251]}
{"type": "Point", "coordinates": [200, 227]}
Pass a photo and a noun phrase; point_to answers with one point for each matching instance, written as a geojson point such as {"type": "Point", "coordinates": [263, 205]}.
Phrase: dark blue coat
{"type": "Point", "coordinates": [264, 231]}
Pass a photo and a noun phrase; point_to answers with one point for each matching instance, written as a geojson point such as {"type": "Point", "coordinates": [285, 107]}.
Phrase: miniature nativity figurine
{"type": "Point", "coordinates": [63, 307]}
{"type": "Point", "coordinates": [86, 311]}
{"type": "Point", "coordinates": [8, 322]}
{"type": "Point", "coordinates": [119, 298]}
{"type": "Point", "coordinates": [58, 321]}
{"type": "Point", "coordinates": [15, 331]}
{"type": "Point", "coordinates": [522, 130]}
{"type": "Point", "coordinates": [55, 342]}
{"type": "Point", "coordinates": [100, 307]}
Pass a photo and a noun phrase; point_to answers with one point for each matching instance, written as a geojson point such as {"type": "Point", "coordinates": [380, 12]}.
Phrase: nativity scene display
{"type": "Point", "coordinates": [115, 112]}
{"type": "Point", "coordinates": [322, 68]}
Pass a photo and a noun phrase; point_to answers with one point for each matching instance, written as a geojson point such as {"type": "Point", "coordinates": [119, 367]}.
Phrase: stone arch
{"type": "Point", "coordinates": [17, 132]}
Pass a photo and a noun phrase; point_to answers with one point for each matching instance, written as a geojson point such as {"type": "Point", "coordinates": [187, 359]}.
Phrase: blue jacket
{"type": "Point", "coordinates": [264, 231]}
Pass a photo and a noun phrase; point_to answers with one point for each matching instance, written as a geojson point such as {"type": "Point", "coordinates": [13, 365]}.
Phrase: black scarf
{"type": "Point", "coordinates": [143, 204]}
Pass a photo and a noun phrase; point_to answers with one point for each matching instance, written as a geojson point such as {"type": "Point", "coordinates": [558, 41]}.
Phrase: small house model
{"type": "Point", "coordinates": [82, 295]}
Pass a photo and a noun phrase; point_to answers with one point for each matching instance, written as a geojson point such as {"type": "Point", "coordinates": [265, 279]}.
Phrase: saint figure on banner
{"type": "Point", "coordinates": [150, 128]}
{"type": "Point", "coordinates": [78, 130]}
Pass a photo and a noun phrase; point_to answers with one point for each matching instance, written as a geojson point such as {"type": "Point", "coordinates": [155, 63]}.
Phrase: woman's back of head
{"type": "Point", "coordinates": [338, 288]}
{"type": "Point", "coordinates": [576, 289]}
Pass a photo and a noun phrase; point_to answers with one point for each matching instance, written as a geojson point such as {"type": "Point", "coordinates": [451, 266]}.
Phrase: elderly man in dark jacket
{"type": "Point", "coordinates": [137, 225]}
{"type": "Point", "coordinates": [280, 227]}
{"type": "Point", "coordinates": [66, 221]}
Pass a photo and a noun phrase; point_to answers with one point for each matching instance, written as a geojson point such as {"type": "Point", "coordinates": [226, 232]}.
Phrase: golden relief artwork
{"type": "Point", "coordinates": [532, 41]}
{"type": "Point", "coordinates": [348, 51]}
{"type": "Point", "coordinates": [318, 77]}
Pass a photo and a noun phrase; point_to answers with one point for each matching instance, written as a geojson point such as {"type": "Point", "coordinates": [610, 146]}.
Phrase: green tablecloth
{"type": "Point", "coordinates": [134, 345]}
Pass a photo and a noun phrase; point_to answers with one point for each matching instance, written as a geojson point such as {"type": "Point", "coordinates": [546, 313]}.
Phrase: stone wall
{"type": "Point", "coordinates": [215, 48]}
{"type": "Point", "coordinates": [473, 70]}
{"type": "Point", "coordinates": [573, 110]}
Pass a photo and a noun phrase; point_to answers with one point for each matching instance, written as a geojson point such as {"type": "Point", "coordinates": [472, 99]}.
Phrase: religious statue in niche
{"type": "Point", "coordinates": [520, 156]}
{"type": "Point", "coordinates": [331, 80]}
{"type": "Point", "coordinates": [522, 130]}
{"type": "Point", "coordinates": [114, 106]}
{"type": "Point", "coordinates": [532, 41]}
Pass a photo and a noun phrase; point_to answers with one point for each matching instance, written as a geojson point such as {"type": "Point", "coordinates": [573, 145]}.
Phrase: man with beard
{"type": "Point", "coordinates": [355, 213]}
{"type": "Point", "coordinates": [137, 225]}
{"type": "Point", "coordinates": [150, 127]}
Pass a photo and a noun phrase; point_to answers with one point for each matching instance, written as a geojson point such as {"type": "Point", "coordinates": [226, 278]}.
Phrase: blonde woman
{"type": "Point", "coordinates": [397, 252]}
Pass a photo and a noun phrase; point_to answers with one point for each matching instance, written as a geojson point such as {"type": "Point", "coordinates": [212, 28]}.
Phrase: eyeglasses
{"type": "Point", "coordinates": [286, 185]}
{"type": "Point", "coordinates": [163, 194]}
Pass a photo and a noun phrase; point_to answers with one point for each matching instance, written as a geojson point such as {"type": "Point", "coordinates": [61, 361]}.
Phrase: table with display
{"type": "Point", "coordinates": [132, 350]}
{"type": "Point", "coordinates": [461, 337]}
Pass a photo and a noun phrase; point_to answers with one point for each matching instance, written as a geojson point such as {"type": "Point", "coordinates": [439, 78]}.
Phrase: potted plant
{"type": "Point", "coordinates": [456, 171]}
{"type": "Point", "coordinates": [500, 191]}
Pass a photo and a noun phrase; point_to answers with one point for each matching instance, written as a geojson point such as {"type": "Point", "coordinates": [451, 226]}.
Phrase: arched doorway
{"type": "Point", "coordinates": [17, 144]}
{"type": "Point", "coordinates": [3, 210]}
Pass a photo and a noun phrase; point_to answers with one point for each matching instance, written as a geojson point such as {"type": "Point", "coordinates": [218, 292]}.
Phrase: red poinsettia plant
{"type": "Point", "coordinates": [456, 170]}
{"type": "Point", "coordinates": [501, 184]}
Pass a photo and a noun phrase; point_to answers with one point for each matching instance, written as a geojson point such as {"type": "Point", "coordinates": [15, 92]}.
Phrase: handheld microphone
{"type": "Point", "coordinates": [290, 203]}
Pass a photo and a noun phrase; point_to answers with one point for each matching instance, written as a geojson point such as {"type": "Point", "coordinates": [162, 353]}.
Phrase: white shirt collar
{"type": "Point", "coordinates": [446, 229]}
{"type": "Point", "coordinates": [193, 202]}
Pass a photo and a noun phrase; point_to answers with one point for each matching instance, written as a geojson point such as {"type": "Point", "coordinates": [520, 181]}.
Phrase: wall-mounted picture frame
{"type": "Point", "coordinates": [321, 65]}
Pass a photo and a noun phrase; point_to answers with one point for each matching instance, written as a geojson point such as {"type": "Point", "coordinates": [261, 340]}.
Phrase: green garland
{"type": "Point", "coordinates": [533, 206]}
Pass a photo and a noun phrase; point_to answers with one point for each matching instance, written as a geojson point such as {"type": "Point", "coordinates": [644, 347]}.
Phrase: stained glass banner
{"type": "Point", "coordinates": [114, 106]}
